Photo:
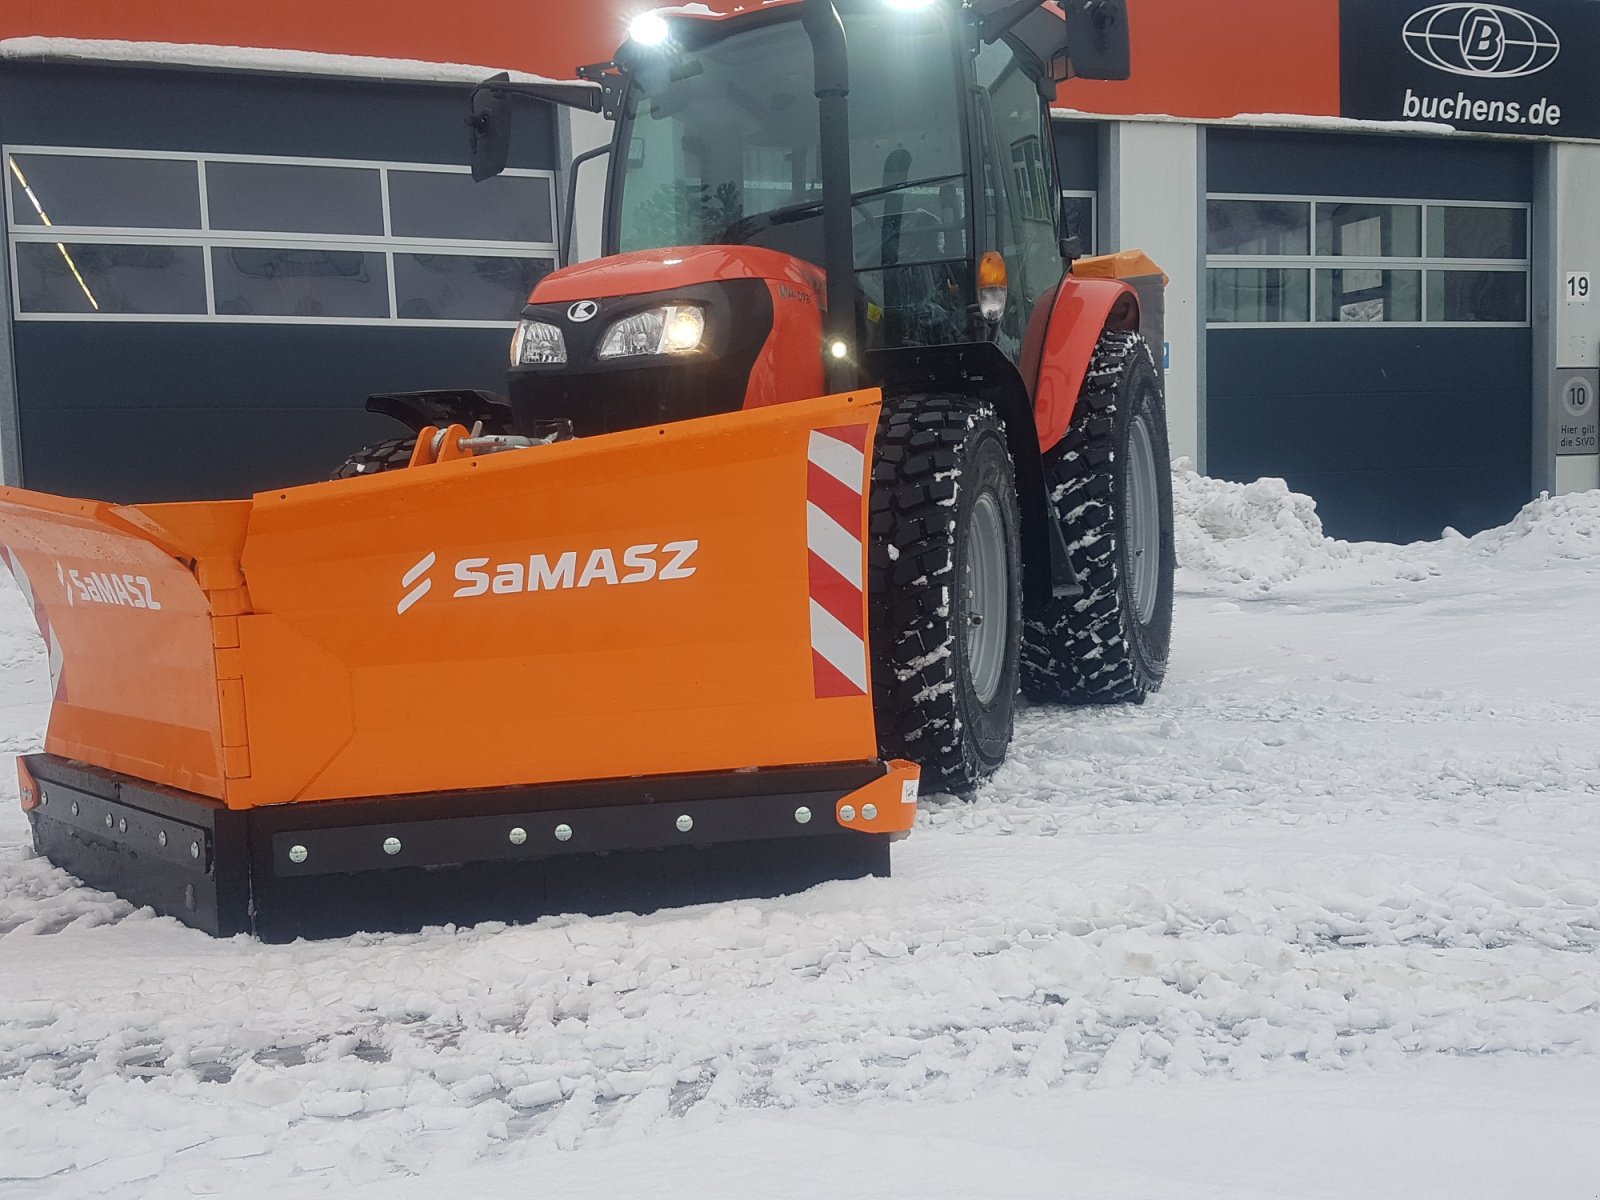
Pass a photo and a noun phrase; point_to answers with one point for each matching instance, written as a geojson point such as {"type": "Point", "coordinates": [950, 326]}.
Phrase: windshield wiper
{"type": "Point", "coordinates": [746, 228]}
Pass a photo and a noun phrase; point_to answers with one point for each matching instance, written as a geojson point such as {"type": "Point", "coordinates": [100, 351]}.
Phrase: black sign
{"type": "Point", "coordinates": [1532, 67]}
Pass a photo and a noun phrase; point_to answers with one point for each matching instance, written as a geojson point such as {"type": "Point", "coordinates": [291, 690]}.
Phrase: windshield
{"type": "Point", "coordinates": [727, 151]}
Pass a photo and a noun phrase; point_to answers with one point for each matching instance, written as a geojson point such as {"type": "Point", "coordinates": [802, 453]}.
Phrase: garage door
{"type": "Point", "coordinates": [1368, 323]}
{"type": "Point", "coordinates": [206, 288]}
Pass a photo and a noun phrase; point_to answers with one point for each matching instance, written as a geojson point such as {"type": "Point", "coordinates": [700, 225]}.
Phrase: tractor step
{"type": "Point", "coordinates": [402, 862]}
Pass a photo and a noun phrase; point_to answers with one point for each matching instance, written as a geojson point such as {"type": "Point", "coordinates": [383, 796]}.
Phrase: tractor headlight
{"type": "Point", "coordinates": [670, 329]}
{"type": "Point", "coordinates": [537, 342]}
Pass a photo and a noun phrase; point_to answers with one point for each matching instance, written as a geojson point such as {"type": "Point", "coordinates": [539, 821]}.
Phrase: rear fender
{"type": "Point", "coordinates": [1060, 345]}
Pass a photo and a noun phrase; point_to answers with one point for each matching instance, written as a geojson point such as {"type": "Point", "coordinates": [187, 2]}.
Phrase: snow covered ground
{"type": "Point", "coordinates": [1322, 919]}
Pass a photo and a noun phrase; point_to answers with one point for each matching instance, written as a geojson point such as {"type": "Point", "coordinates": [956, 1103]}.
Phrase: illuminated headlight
{"type": "Point", "coordinates": [671, 329]}
{"type": "Point", "coordinates": [537, 342]}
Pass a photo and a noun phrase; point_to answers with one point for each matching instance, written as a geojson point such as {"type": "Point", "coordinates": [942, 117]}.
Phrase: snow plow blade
{"type": "Point", "coordinates": [459, 682]}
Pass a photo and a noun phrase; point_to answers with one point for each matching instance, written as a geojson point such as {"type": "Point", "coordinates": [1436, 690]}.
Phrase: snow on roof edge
{"type": "Point", "coordinates": [1308, 121]}
{"type": "Point", "coordinates": [256, 59]}
{"type": "Point", "coordinates": [1293, 120]}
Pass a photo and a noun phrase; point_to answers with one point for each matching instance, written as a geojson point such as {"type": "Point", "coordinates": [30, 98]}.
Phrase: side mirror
{"type": "Point", "coordinates": [1097, 38]}
{"type": "Point", "coordinates": [489, 128]}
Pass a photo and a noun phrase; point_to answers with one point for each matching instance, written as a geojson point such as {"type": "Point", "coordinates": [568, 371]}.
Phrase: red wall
{"type": "Point", "coordinates": [1193, 58]}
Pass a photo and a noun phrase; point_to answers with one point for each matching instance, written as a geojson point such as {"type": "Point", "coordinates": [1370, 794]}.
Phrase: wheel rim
{"type": "Point", "coordinates": [1142, 527]}
{"type": "Point", "coordinates": [985, 556]}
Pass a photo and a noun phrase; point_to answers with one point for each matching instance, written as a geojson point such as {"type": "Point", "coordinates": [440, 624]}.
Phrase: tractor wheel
{"type": "Point", "coordinates": [1111, 484]}
{"type": "Point", "coordinates": [388, 455]}
{"type": "Point", "coordinates": [944, 588]}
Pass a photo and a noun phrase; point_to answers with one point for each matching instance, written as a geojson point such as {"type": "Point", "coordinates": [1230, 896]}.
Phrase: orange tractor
{"type": "Point", "coordinates": [838, 449]}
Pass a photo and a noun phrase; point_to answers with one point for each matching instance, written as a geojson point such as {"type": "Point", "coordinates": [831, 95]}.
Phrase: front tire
{"type": "Point", "coordinates": [944, 588]}
{"type": "Point", "coordinates": [388, 455]}
{"type": "Point", "coordinates": [1110, 481]}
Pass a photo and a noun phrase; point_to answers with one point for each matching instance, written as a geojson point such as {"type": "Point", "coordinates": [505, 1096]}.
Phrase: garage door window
{"type": "Point", "coordinates": [94, 278]}
{"type": "Point", "coordinates": [129, 235]}
{"type": "Point", "coordinates": [1355, 261]}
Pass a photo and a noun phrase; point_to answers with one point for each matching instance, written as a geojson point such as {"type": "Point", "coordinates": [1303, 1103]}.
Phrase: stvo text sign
{"type": "Point", "coordinates": [1528, 68]}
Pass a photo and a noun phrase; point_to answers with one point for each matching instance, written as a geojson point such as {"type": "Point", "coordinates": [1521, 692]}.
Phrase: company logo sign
{"type": "Point", "coordinates": [1481, 40]}
{"type": "Point", "coordinates": [583, 310]}
{"type": "Point", "coordinates": [108, 587]}
{"type": "Point", "coordinates": [649, 562]}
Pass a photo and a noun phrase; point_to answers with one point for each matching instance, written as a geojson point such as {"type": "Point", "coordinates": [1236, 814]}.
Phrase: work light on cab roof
{"type": "Point", "coordinates": [649, 29]}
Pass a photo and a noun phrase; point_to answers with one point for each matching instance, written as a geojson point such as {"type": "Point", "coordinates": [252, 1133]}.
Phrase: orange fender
{"type": "Point", "coordinates": [1060, 344]}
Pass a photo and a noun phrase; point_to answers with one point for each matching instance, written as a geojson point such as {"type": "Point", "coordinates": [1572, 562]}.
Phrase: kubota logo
{"type": "Point", "coordinates": [583, 310]}
{"type": "Point", "coordinates": [645, 563]}
{"type": "Point", "coordinates": [1481, 40]}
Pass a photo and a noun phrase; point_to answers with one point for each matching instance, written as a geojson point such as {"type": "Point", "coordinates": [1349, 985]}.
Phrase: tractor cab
{"type": "Point", "coordinates": [897, 155]}
{"type": "Point", "coordinates": [721, 147]}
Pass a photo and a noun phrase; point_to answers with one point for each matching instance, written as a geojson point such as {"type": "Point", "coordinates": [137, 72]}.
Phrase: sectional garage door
{"type": "Point", "coordinates": [210, 272]}
{"type": "Point", "coordinates": [1368, 326]}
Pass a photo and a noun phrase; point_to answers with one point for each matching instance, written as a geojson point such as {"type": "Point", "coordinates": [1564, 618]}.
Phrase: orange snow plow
{"type": "Point", "coordinates": [603, 644]}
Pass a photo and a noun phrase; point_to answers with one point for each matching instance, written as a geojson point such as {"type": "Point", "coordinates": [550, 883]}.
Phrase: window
{"type": "Point", "coordinates": [460, 287]}
{"type": "Point", "coordinates": [135, 235]}
{"type": "Point", "coordinates": [98, 278]}
{"type": "Point", "coordinates": [1078, 219]}
{"type": "Point", "coordinates": [441, 204]}
{"type": "Point", "coordinates": [102, 191]}
{"type": "Point", "coordinates": [1018, 176]}
{"type": "Point", "coordinates": [1480, 232]}
{"type": "Point", "coordinates": [1258, 294]}
{"type": "Point", "coordinates": [291, 198]}
{"type": "Point", "coordinates": [299, 281]}
{"type": "Point", "coordinates": [1370, 296]}
{"type": "Point", "coordinates": [1257, 227]}
{"type": "Point", "coordinates": [1276, 260]}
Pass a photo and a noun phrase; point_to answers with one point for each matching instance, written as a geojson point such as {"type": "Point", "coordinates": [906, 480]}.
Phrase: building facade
{"type": "Point", "coordinates": [1378, 218]}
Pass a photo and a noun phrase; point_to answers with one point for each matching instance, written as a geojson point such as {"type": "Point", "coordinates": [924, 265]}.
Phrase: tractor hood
{"type": "Point", "coordinates": [643, 271]}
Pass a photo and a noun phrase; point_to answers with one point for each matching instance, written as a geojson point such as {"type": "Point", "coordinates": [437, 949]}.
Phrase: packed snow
{"type": "Point", "coordinates": [1320, 919]}
{"type": "Point", "coordinates": [254, 58]}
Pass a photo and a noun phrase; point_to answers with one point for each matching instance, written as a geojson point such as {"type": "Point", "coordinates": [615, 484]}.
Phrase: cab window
{"type": "Point", "coordinates": [1019, 177]}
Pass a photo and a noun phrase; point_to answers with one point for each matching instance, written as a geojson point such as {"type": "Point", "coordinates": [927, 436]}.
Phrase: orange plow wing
{"type": "Point", "coordinates": [685, 598]}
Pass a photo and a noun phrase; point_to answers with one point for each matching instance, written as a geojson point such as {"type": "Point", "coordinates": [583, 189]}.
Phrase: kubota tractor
{"type": "Point", "coordinates": [837, 449]}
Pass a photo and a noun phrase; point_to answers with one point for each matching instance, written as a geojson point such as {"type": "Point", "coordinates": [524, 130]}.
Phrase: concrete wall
{"type": "Point", "coordinates": [1567, 239]}
{"type": "Point", "coordinates": [1149, 182]}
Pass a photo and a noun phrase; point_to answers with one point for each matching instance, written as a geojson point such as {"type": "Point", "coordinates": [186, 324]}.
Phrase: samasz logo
{"type": "Point", "coordinates": [1482, 40]}
{"type": "Point", "coordinates": [105, 587]}
{"type": "Point", "coordinates": [644, 563]}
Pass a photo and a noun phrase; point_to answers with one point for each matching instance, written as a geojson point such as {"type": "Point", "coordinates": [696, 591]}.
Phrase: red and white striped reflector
{"type": "Point", "coordinates": [41, 618]}
{"type": "Point", "coordinates": [836, 483]}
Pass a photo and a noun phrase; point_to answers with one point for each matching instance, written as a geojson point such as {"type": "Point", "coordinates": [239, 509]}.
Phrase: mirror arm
{"type": "Point", "coordinates": [572, 200]}
{"type": "Point", "coordinates": [993, 26]}
{"type": "Point", "coordinates": [573, 95]}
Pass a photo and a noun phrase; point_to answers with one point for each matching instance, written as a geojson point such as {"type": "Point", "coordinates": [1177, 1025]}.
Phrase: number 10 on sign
{"type": "Point", "coordinates": [1578, 288]}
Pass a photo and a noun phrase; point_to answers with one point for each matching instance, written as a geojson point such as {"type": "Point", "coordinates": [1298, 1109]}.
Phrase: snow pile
{"type": "Point", "coordinates": [1261, 538]}
{"type": "Point", "coordinates": [1551, 527]}
{"type": "Point", "coordinates": [1257, 537]}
